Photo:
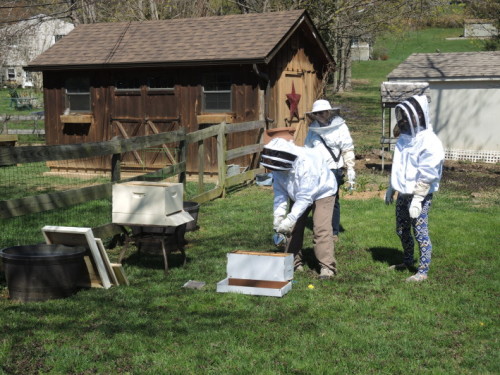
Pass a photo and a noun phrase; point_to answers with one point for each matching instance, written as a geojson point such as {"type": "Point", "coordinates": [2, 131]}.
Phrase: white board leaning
{"type": "Point", "coordinates": [74, 236]}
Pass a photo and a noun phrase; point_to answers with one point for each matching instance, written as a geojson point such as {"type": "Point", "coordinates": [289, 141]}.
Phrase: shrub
{"type": "Point", "coordinates": [380, 54]}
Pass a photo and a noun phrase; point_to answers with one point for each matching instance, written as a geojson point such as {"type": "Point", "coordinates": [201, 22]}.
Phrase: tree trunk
{"type": "Point", "coordinates": [335, 74]}
{"type": "Point", "coordinates": [347, 65]}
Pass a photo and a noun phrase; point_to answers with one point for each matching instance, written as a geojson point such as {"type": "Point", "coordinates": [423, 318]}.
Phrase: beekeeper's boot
{"type": "Point", "coordinates": [326, 273]}
{"type": "Point", "coordinates": [418, 277]}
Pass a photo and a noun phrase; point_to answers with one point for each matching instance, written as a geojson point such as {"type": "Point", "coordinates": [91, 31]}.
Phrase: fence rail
{"type": "Point", "coordinates": [8, 123]}
{"type": "Point", "coordinates": [115, 148]}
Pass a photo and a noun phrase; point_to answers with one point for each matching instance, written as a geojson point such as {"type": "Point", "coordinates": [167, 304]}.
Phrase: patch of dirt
{"type": "Point", "coordinates": [459, 176]}
{"type": "Point", "coordinates": [362, 195]}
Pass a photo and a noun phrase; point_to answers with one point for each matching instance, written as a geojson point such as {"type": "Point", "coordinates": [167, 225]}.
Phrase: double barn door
{"type": "Point", "coordinates": [144, 112]}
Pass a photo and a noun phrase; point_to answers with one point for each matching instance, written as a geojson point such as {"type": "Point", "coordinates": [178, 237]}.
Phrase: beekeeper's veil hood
{"type": "Point", "coordinates": [325, 116]}
{"type": "Point", "coordinates": [412, 115]}
{"type": "Point", "coordinates": [279, 155]}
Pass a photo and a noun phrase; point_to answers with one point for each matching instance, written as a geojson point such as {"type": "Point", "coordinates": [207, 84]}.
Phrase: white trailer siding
{"type": "Point", "coordinates": [466, 115]}
{"type": "Point", "coordinates": [465, 100]}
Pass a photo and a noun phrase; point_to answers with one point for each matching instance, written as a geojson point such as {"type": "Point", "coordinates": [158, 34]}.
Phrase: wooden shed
{"type": "Point", "coordinates": [465, 97]}
{"type": "Point", "coordinates": [136, 78]}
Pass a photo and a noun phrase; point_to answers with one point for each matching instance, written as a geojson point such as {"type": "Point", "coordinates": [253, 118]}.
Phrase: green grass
{"type": "Point", "coordinates": [26, 229]}
{"type": "Point", "coordinates": [6, 108]}
{"type": "Point", "coordinates": [367, 320]}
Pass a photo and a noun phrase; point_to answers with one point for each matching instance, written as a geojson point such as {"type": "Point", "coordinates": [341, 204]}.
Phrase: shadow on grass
{"type": "Point", "coordinates": [309, 259]}
{"type": "Point", "coordinates": [388, 255]}
{"type": "Point", "coordinates": [154, 259]}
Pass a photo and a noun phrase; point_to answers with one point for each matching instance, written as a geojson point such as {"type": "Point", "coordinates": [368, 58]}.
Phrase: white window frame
{"type": "Point", "coordinates": [218, 82]}
{"type": "Point", "coordinates": [11, 74]}
{"type": "Point", "coordinates": [79, 92]}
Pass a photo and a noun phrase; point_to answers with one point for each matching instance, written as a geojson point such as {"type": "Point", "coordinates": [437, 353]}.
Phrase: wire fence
{"type": "Point", "coordinates": [27, 229]}
{"type": "Point", "coordinates": [53, 185]}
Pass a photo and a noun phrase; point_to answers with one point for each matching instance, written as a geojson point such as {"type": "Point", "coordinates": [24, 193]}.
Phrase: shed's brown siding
{"type": "Point", "coordinates": [295, 64]}
{"type": "Point", "coordinates": [129, 113]}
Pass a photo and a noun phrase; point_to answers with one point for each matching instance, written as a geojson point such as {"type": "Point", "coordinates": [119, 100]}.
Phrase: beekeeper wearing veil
{"type": "Point", "coordinates": [301, 176]}
{"type": "Point", "coordinates": [416, 171]}
{"type": "Point", "coordinates": [328, 134]}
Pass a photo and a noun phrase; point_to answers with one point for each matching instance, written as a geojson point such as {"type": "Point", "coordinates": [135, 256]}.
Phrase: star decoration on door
{"type": "Point", "coordinates": [293, 102]}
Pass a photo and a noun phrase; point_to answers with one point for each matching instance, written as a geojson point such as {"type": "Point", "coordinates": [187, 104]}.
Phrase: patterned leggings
{"type": "Point", "coordinates": [404, 224]}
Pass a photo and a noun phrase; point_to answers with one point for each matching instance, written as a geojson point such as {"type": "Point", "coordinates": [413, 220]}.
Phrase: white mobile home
{"type": "Point", "coordinates": [465, 100]}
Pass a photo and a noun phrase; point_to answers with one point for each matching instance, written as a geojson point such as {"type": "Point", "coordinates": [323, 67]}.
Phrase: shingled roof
{"type": "Point", "coordinates": [453, 65]}
{"type": "Point", "coordinates": [250, 38]}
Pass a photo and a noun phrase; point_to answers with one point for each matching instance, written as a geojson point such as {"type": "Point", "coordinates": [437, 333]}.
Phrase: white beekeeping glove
{"type": "Point", "coordinates": [277, 221]}
{"type": "Point", "coordinates": [349, 159]}
{"type": "Point", "coordinates": [286, 226]}
{"type": "Point", "coordinates": [419, 193]}
{"type": "Point", "coordinates": [279, 214]}
{"type": "Point", "coordinates": [351, 176]}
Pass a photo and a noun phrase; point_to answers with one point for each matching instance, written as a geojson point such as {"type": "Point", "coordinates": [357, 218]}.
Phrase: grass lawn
{"type": "Point", "coordinates": [365, 321]}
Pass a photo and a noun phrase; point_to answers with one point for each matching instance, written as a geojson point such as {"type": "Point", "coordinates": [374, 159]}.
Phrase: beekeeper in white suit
{"type": "Point", "coordinates": [328, 133]}
{"type": "Point", "coordinates": [301, 175]}
{"type": "Point", "coordinates": [416, 172]}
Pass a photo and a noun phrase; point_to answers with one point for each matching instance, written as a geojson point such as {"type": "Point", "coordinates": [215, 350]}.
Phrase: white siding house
{"type": "Point", "coordinates": [465, 100]}
{"type": "Point", "coordinates": [478, 28]}
{"type": "Point", "coordinates": [28, 39]}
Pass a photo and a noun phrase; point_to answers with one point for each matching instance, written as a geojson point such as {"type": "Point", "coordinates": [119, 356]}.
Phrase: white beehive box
{"type": "Point", "coordinates": [262, 274]}
{"type": "Point", "coordinates": [149, 203]}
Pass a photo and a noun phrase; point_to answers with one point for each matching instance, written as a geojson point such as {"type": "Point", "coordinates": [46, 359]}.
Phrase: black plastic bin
{"type": "Point", "coordinates": [192, 208]}
{"type": "Point", "coordinates": [42, 272]}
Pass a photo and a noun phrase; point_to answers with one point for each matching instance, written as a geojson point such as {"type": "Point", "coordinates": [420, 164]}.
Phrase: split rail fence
{"type": "Point", "coordinates": [18, 156]}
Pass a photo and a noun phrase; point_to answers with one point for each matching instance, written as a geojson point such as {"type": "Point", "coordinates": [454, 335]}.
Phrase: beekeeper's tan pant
{"type": "Point", "coordinates": [323, 234]}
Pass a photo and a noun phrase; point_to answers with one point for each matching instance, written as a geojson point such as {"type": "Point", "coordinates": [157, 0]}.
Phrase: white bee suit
{"type": "Point", "coordinates": [337, 138]}
{"type": "Point", "coordinates": [418, 157]}
{"type": "Point", "coordinates": [307, 181]}
{"type": "Point", "coordinates": [302, 176]}
{"type": "Point", "coordinates": [416, 172]}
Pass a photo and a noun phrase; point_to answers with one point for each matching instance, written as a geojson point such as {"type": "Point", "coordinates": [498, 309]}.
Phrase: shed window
{"type": "Point", "coordinates": [78, 94]}
{"type": "Point", "coordinates": [129, 83]}
{"type": "Point", "coordinates": [11, 74]}
{"type": "Point", "coordinates": [160, 83]}
{"type": "Point", "coordinates": [217, 92]}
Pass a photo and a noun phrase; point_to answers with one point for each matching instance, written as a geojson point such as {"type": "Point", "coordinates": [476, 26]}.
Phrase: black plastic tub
{"type": "Point", "coordinates": [42, 272]}
{"type": "Point", "coordinates": [192, 208]}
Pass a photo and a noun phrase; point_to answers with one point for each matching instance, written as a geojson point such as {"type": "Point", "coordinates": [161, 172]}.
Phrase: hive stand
{"type": "Point", "coordinates": [163, 235]}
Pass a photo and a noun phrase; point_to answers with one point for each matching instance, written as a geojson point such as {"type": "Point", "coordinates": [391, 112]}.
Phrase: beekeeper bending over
{"type": "Point", "coordinates": [416, 172]}
{"type": "Point", "coordinates": [329, 134]}
{"type": "Point", "coordinates": [301, 175]}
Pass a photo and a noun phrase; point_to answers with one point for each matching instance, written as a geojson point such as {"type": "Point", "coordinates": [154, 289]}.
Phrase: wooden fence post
{"type": "Point", "coordinates": [182, 157]}
{"type": "Point", "coordinates": [221, 156]}
{"type": "Point", "coordinates": [116, 167]}
{"type": "Point", "coordinates": [201, 165]}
